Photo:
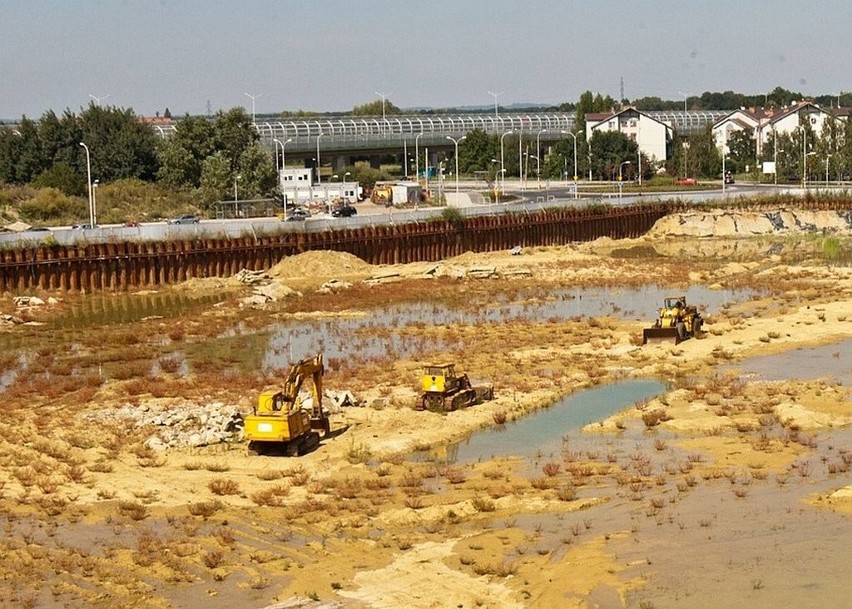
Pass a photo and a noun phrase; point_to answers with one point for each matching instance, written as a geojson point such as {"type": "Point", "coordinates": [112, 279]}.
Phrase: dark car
{"type": "Point", "coordinates": [84, 226]}
{"type": "Point", "coordinates": [184, 219]}
{"type": "Point", "coordinates": [347, 211]}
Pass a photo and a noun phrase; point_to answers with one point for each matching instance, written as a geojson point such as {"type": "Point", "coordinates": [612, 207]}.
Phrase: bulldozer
{"type": "Point", "coordinates": [676, 322]}
{"type": "Point", "coordinates": [281, 422]}
{"type": "Point", "coordinates": [444, 390]}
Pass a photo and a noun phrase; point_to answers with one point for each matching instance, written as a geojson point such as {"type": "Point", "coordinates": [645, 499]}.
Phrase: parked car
{"type": "Point", "coordinates": [184, 219]}
{"type": "Point", "coordinates": [83, 226]}
{"type": "Point", "coordinates": [686, 182]}
{"type": "Point", "coordinates": [297, 215]}
{"type": "Point", "coordinates": [346, 211]}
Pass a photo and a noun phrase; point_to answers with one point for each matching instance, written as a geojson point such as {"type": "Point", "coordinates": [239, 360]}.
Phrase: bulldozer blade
{"type": "Point", "coordinates": [660, 335]}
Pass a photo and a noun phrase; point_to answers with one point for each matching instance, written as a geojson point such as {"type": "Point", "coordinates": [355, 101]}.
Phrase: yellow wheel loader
{"type": "Point", "coordinates": [675, 323]}
{"type": "Point", "coordinates": [444, 390]}
{"type": "Point", "coordinates": [281, 422]}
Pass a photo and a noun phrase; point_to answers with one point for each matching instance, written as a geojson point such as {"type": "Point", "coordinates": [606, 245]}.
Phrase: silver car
{"type": "Point", "coordinates": [184, 219]}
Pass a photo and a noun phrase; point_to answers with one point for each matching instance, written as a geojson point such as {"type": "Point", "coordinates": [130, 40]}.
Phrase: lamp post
{"type": "Point", "coordinates": [345, 175]}
{"type": "Point", "coordinates": [236, 177]}
{"type": "Point", "coordinates": [685, 95]}
{"type": "Point", "coordinates": [97, 99]}
{"type": "Point", "coordinates": [319, 178]}
{"type": "Point", "coordinates": [95, 202]}
{"type": "Point", "coordinates": [456, 143]}
{"type": "Point", "coordinates": [283, 158]}
{"type": "Point", "coordinates": [805, 164]}
{"type": "Point", "coordinates": [277, 143]}
{"type": "Point", "coordinates": [502, 164]}
{"type": "Point", "coordinates": [89, 174]}
{"type": "Point", "coordinates": [496, 183]}
{"type": "Point", "coordinates": [804, 155]}
{"type": "Point", "coordinates": [620, 167]}
{"type": "Point", "coordinates": [574, 137]}
{"type": "Point", "coordinates": [827, 157]}
{"type": "Point", "coordinates": [537, 169]}
{"type": "Point", "coordinates": [538, 154]}
{"type": "Point", "coordinates": [494, 95]}
{"type": "Point", "coordinates": [417, 155]}
{"type": "Point", "coordinates": [253, 97]}
{"type": "Point", "coordinates": [724, 178]}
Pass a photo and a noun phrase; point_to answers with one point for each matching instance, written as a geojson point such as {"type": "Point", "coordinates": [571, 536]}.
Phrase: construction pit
{"type": "Point", "coordinates": [124, 481]}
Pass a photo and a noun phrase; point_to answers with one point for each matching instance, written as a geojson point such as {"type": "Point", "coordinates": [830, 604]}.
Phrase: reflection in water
{"type": "Point", "coordinates": [542, 432]}
{"type": "Point", "coordinates": [107, 309]}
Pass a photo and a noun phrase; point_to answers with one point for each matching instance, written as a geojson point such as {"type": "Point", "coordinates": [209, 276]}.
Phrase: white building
{"type": "Point", "coordinates": [761, 123]}
{"type": "Point", "coordinates": [298, 188]}
{"type": "Point", "coordinates": [651, 135]}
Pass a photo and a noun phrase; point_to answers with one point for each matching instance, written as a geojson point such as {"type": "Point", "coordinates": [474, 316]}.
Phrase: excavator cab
{"type": "Point", "coordinates": [281, 421]}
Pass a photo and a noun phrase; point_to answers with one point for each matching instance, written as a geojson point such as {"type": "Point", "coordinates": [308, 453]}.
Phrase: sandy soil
{"type": "Point", "coordinates": [652, 507]}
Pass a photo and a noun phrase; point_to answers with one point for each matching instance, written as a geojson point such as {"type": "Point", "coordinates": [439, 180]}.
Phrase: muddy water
{"type": "Point", "coordinates": [832, 361]}
{"type": "Point", "coordinates": [543, 433]}
{"type": "Point", "coordinates": [348, 338]}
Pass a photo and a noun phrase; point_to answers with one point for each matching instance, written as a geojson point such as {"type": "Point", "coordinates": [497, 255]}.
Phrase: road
{"type": "Point", "coordinates": [555, 195]}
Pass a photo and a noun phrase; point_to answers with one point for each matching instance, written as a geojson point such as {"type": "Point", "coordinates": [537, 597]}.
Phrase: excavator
{"type": "Point", "coordinates": [676, 322]}
{"type": "Point", "coordinates": [444, 390]}
{"type": "Point", "coordinates": [281, 422]}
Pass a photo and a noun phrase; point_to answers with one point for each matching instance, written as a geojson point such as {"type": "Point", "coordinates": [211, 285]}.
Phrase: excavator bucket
{"type": "Point", "coordinates": [655, 336]}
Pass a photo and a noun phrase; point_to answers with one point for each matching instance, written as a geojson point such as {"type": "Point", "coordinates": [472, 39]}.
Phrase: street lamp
{"type": "Point", "coordinates": [253, 97]}
{"type": "Point", "coordinates": [684, 104]}
{"type": "Point", "coordinates": [417, 155]}
{"type": "Point", "coordinates": [538, 153]}
{"type": "Point", "coordinates": [319, 178]}
{"type": "Point", "coordinates": [804, 155]}
{"type": "Point", "coordinates": [277, 143]}
{"type": "Point", "coordinates": [574, 136]}
{"type": "Point", "coordinates": [502, 164]}
{"type": "Point", "coordinates": [91, 197]}
{"type": "Point", "coordinates": [537, 168]}
{"type": "Point", "coordinates": [827, 157]}
{"type": "Point", "coordinates": [283, 158]}
{"type": "Point", "coordinates": [95, 202]}
{"type": "Point", "coordinates": [724, 175]}
{"type": "Point", "coordinates": [620, 184]}
{"type": "Point", "coordinates": [236, 177]}
{"type": "Point", "coordinates": [494, 95]}
{"type": "Point", "coordinates": [805, 176]}
{"type": "Point", "coordinates": [456, 143]}
{"type": "Point", "coordinates": [97, 99]}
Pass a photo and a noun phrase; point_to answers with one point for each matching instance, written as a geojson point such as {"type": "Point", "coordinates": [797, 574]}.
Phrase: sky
{"type": "Point", "coordinates": [195, 56]}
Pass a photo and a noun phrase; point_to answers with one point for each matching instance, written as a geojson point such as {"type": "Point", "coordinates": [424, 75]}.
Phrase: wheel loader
{"type": "Point", "coordinates": [281, 422]}
{"type": "Point", "coordinates": [444, 390]}
{"type": "Point", "coordinates": [675, 323]}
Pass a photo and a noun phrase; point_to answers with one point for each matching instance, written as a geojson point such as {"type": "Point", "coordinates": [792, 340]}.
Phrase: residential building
{"type": "Point", "coordinates": [653, 136]}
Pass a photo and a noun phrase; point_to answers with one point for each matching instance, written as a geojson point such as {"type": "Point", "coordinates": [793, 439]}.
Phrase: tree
{"type": "Point", "coordinates": [182, 155]}
{"type": "Point", "coordinates": [609, 150]}
{"type": "Point", "coordinates": [234, 135]}
{"type": "Point", "coordinates": [742, 149]}
{"type": "Point", "coordinates": [257, 172]}
{"type": "Point", "coordinates": [476, 151]}
{"type": "Point", "coordinates": [217, 179]}
{"type": "Point", "coordinates": [121, 145]}
{"type": "Point", "coordinates": [374, 108]}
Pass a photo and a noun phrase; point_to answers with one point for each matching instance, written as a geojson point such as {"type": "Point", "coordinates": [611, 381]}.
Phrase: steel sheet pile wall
{"type": "Point", "coordinates": [125, 265]}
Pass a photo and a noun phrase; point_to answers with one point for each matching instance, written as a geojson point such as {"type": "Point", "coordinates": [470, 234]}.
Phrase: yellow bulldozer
{"type": "Point", "coordinates": [281, 422]}
{"type": "Point", "coordinates": [676, 322]}
{"type": "Point", "coordinates": [444, 390]}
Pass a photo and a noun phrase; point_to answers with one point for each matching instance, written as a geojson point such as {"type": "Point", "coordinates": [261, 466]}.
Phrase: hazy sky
{"type": "Point", "coordinates": [329, 55]}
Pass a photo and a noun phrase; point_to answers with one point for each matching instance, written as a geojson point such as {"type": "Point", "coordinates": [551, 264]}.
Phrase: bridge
{"type": "Point", "coordinates": [342, 136]}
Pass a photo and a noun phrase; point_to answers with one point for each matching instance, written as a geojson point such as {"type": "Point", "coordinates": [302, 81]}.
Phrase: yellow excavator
{"type": "Point", "coordinates": [676, 322]}
{"type": "Point", "coordinates": [281, 422]}
{"type": "Point", "coordinates": [444, 390]}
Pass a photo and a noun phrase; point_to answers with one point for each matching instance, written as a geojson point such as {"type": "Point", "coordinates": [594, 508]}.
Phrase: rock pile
{"type": "Point", "coordinates": [180, 425]}
{"type": "Point", "coordinates": [726, 223]}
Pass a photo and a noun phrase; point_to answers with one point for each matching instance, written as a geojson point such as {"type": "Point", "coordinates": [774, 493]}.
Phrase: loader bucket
{"type": "Point", "coordinates": [660, 335]}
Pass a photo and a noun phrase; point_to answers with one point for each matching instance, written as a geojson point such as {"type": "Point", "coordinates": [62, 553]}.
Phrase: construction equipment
{"type": "Point", "coordinates": [281, 421]}
{"type": "Point", "coordinates": [676, 322]}
{"type": "Point", "coordinates": [444, 390]}
{"type": "Point", "coordinates": [382, 193]}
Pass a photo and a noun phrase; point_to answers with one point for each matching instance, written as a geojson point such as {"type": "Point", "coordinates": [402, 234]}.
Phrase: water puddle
{"type": "Point", "coordinates": [347, 338]}
{"type": "Point", "coordinates": [542, 433]}
{"type": "Point", "coordinates": [106, 309]}
{"type": "Point", "coordinates": [828, 361]}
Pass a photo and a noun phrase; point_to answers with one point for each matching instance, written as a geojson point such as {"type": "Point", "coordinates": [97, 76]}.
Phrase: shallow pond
{"type": "Point", "coordinates": [827, 361]}
{"type": "Point", "coordinates": [542, 433]}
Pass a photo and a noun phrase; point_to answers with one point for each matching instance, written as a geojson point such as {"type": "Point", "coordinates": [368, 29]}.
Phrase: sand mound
{"type": "Point", "coordinates": [325, 263]}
